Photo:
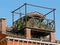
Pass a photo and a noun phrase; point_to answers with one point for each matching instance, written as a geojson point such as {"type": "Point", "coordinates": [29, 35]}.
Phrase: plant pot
{"type": "Point", "coordinates": [35, 26]}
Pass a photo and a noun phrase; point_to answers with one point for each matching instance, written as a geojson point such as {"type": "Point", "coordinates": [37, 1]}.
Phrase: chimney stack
{"type": "Point", "coordinates": [2, 25]}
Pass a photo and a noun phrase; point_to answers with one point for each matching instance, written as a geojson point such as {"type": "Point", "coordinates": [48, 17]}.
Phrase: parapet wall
{"type": "Point", "coordinates": [19, 41]}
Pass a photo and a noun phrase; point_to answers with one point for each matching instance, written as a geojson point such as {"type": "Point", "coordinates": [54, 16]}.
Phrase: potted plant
{"type": "Point", "coordinates": [28, 23]}
{"type": "Point", "coordinates": [42, 38]}
{"type": "Point", "coordinates": [43, 25]}
{"type": "Point", "coordinates": [35, 24]}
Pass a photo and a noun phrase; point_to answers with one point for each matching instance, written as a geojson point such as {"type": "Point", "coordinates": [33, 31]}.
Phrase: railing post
{"type": "Point", "coordinates": [13, 41]}
{"type": "Point", "coordinates": [27, 42]}
{"type": "Point", "coordinates": [18, 42]}
{"type": "Point", "coordinates": [22, 42]}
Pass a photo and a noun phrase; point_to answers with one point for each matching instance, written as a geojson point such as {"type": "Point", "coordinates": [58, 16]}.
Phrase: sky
{"type": "Point", "coordinates": [6, 6]}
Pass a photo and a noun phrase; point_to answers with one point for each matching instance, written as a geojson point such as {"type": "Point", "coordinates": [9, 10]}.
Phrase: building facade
{"type": "Point", "coordinates": [31, 28]}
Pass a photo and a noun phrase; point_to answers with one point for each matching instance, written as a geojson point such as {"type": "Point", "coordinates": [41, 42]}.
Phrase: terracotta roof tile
{"type": "Point", "coordinates": [2, 36]}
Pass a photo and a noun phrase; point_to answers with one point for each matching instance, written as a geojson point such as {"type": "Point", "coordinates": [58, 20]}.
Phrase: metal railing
{"type": "Point", "coordinates": [42, 24]}
{"type": "Point", "coordinates": [46, 24]}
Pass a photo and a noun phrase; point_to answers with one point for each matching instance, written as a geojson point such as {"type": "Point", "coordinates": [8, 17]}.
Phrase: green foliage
{"type": "Point", "coordinates": [43, 25]}
{"type": "Point", "coordinates": [35, 23]}
{"type": "Point", "coordinates": [32, 23]}
{"type": "Point", "coordinates": [19, 24]}
{"type": "Point", "coordinates": [42, 38]}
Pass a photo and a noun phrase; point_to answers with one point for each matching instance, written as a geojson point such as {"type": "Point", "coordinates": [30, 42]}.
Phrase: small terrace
{"type": "Point", "coordinates": [23, 17]}
{"type": "Point", "coordinates": [35, 35]}
{"type": "Point", "coordinates": [40, 21]}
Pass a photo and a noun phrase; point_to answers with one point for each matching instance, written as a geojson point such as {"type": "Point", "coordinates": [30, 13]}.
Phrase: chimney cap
{"type": "Point", "coordinates": [2, 19]}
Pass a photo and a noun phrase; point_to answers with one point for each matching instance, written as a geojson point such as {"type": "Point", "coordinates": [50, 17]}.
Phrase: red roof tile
{"type": "Point", "coordinates": [2, 36]}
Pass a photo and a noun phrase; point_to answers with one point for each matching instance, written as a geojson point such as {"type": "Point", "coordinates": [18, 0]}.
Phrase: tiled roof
{"type": "Point", "coordinates": [2, 40]}
{"type": "Point", "coordinates": [2, 36]}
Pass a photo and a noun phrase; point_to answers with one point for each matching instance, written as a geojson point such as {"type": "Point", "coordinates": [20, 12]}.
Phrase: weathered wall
{"type": "Point", "coordinates": [10, 42]}
{"type": "Point", "coordinates": [20, 43]}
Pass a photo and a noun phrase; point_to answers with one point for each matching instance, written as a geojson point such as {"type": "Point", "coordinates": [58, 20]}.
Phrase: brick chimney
{"type": "Point", "coordinates": [2, 25]}
{"type": "Point", "coordinates": [52, 37]}
{"type": "Point", "coordinates": [28, 33]}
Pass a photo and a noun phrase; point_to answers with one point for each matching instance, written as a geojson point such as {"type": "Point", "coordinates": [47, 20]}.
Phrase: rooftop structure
{"type": "Point", "coordinates": [38, 23]}
{"type": "Point", "coordinates": [31, 27]}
